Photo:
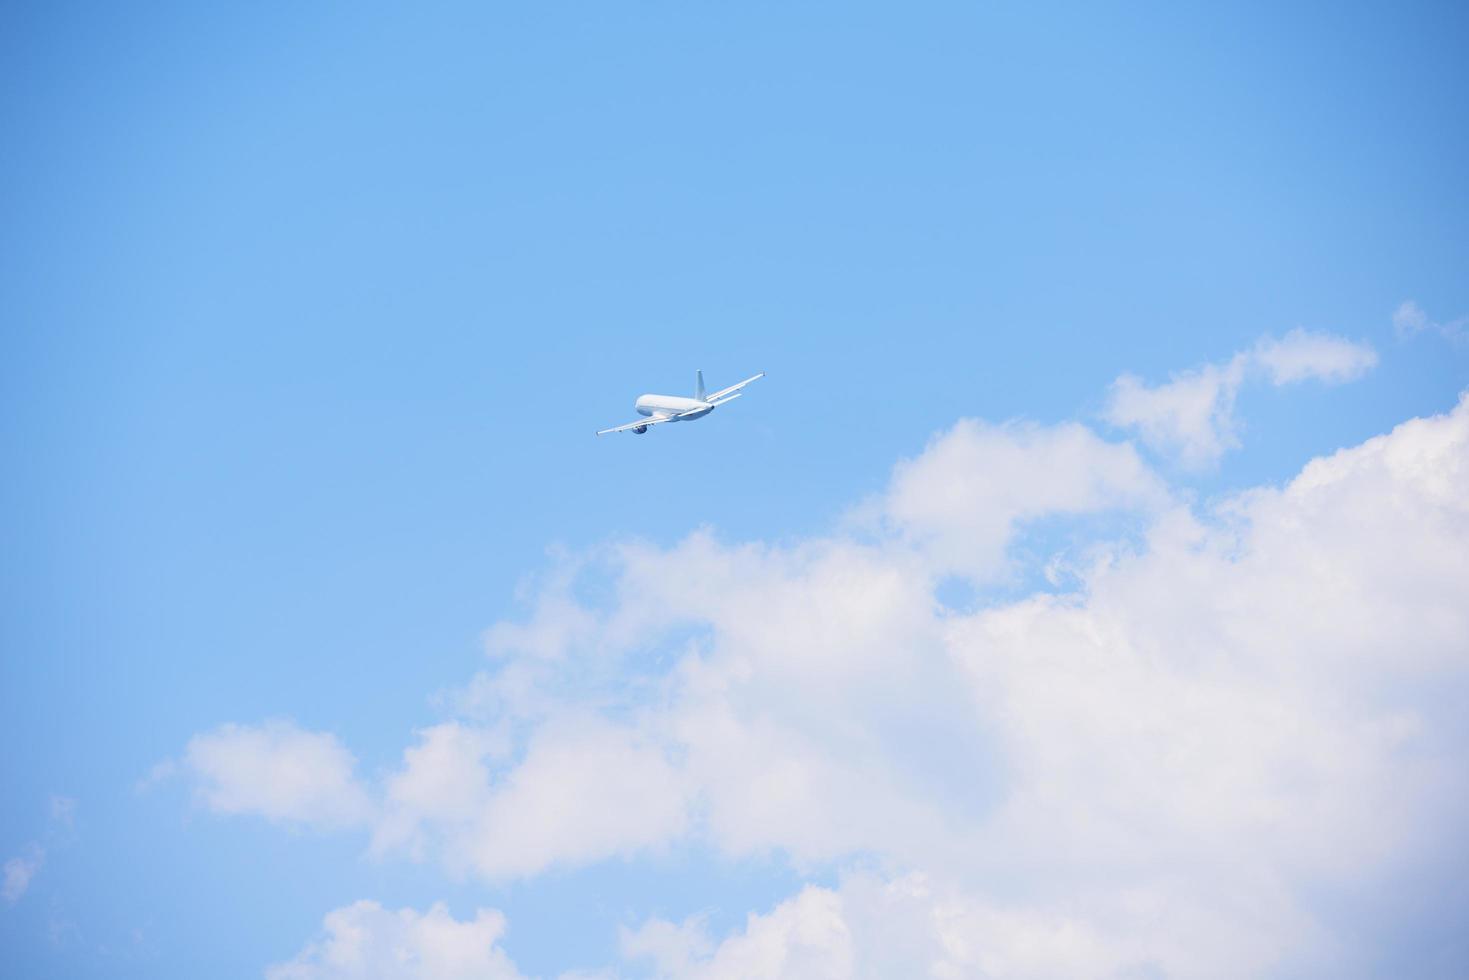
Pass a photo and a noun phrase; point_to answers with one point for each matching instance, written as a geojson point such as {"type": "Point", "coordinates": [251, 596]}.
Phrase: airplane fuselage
{"type": "Point", "coordinates": [658, 409]}
{"type": "Point", "coordinates": [684, 408]}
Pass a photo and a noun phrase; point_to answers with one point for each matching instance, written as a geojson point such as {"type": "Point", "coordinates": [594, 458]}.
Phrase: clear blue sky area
{"type": "Point", "coordinates": [308, 314]}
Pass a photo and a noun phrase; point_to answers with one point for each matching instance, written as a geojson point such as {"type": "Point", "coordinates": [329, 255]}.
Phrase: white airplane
{"type": "Point", "coordinates": [672, 408]}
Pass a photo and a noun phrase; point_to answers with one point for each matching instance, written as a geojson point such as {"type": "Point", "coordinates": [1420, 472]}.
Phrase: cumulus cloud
{"type": "Point", "coordinates": [1410, 319]}
{"type": "Point", "coordinates": [585, 789]}
{"type": "Point", "coordinates": [445, 779]}
{"type": "Point", "coordinates": [806, 936]}
{"type": "Point", "coordinates": [1192, 416]}
{"type": "Point", "coordinates": [876, 927]}
{"type": "Point", "coordinates": [364, 941]}
{"type": "Point", "coordinates": [1187, 766]}
{"type": "Point", "coordinates": [1218, 755]}
{"type": "Point", "coordinates": [671, 948]}
{"type": "Point", "coordinates": [278, 771]}
{"type": "Point", "coordinates": [963, 498]}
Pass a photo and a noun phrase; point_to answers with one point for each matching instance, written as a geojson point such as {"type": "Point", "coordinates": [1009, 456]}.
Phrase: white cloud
{"type": "Point", "coordinates": [445, 778]}
{"type": "Point", "coordinates": [19, 871]}
{"type": "Point", "coordinates": [63, 811]}
{"type": "Point", "coordinates": [1192, 416]}
{"type": "Point", "coordinates": [1301, 355]}
{"type": "Point", "coordinates": [803, 938]}
{"type": "Point", "coordinates": [1410, 319]}
{"type": "Point", "coordinates": [160, 773]}
{"type": "Point", "coordinates": [278, 771]}
{"type": "Point", "coordinates": [364, 941]}
{"type": "Point", "coordinates": [1189, 763]}
{"type": "Point", "coordinates": [1215, 757]}
{"type": "Point", "coordinates": [561, 624]}
{"type": "Point", "coordinates": [672, 948]}
{"type": "Point", "coordinates": [962, 499]}
{"type": "Point", "coordinates": [586, 789]}
{"type": "Point", "coordinates": [876, 927]}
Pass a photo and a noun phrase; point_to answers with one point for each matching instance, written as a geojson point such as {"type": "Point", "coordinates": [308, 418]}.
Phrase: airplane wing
{"type": "Point", "coordinates": [650, 420]}
{"type": "Point", "coordinates": [732, 388]}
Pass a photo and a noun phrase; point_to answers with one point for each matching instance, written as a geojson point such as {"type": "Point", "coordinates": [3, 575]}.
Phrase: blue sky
{"type": "Point", "coordinates": [310, 313]}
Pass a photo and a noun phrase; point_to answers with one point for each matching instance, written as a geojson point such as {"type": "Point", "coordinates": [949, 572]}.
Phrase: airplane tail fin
{"type": "Point", "coordinates": [699, 385]}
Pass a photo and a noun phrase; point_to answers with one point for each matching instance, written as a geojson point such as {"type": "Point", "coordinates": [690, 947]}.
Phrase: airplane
{"type": "Point", "coordinates": [673, 408]}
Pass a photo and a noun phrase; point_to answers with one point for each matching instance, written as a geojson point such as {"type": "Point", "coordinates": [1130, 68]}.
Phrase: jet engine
{"type": "Point", "coordinates": [640, 429]}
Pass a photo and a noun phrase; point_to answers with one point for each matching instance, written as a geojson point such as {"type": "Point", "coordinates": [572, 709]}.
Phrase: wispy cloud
{"type": "Point", "coordinates": [63, 811]}
{"type": "Point", "coordinates": [1410, 319]}
{"type": "Point", "coordinates": [19, 871]}
{"type": "Point", "coordinates": [1192, 416]}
